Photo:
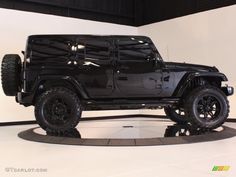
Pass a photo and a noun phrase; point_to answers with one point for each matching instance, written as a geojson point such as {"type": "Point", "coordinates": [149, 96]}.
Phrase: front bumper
{"type": "Point", "coordinates": [228, 90]}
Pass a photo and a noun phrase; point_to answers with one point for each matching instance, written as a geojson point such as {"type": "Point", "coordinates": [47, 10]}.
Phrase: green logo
{"type": "Point", "coordinates": [221, 168]}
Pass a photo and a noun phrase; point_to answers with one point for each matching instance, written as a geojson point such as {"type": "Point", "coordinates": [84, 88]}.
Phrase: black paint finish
{"type": "Point", "coordinates": [109, 72]}
{"type": "Point", "coordinates": [128, 12]}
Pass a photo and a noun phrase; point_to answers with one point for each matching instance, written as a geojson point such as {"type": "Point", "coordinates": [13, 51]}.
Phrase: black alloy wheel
{"type": "Point", "coordinates": [58, 110]}
{"type": "Point", "coordinates": [207, 107]}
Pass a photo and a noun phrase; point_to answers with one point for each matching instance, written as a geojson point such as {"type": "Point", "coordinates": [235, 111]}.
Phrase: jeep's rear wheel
{"type": "Point", "coordinates": [11, 70]}
{"type": "Point", "coordinates": [176, 114]}
{"type": "Point", "coordinates": [207, 107]}
{"type": "Point", "coordinates": [58, 110]}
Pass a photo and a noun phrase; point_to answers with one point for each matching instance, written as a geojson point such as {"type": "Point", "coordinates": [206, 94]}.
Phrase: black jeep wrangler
{"type": "Point", "coordinates": [62, 75]}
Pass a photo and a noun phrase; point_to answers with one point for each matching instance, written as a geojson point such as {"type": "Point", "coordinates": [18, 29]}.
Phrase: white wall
{"type": "Point", "coordinates": [204, 38]}
{"type": "Point", "coordinates": [15, 26]}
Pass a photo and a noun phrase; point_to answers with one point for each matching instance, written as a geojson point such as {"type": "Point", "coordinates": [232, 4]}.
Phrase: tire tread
{"type": "Point", "coordinates": [188, 107]}
{"type": "Point", "coordinates": [44, 96]}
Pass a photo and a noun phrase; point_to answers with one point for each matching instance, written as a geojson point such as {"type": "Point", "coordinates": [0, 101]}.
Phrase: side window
{"type": "Point", "coordinates": [97, 50]}
{"type": "Point", "coordinates": [48, 50]}
{"type": "Point", "coordinates": [134, 50]}
{"type": "Point", "coordinates": [137, 54]}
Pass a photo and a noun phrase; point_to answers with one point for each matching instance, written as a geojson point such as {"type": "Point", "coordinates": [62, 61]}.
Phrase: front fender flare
{"type": "Point", "coordinates": [185, 81]}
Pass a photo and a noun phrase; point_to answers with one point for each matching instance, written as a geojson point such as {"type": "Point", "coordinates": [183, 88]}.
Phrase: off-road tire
{"type": "Point", "coordinates": [194, 106]}
{"type": "Point", "coordinates": [172, 115]}
{"type": "Point", "coordinates": [46, 110]}
{"type": "Point", "coordinates": [11, 74]}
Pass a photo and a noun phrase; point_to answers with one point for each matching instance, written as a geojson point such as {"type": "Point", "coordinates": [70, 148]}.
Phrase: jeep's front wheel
{"type": "Point", "coordinates": [176, 114]}
{"type": "Point", "coordinates": [58, 110]}
{"type": "Point", "coordinates": [207, 107]}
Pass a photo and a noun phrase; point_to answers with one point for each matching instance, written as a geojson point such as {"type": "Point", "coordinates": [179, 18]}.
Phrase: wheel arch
{"type": "Point", "coordinates": [46, 82]}
{"type": "Point", "coordinates": [193, 80]}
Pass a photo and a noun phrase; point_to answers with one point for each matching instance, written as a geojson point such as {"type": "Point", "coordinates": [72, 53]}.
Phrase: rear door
{"type": "Point", "coordinates": [94, 71]}
{"type": "Point", "coordinates": [137, 72]}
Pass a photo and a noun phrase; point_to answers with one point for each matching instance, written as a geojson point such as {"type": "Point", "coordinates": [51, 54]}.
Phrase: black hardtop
{"type": "Point", "coordinates": [72, 36]}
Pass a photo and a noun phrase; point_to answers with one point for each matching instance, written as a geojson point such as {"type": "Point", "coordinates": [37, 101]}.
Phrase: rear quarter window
{"type": "Point", "coordinates": [48, 50]}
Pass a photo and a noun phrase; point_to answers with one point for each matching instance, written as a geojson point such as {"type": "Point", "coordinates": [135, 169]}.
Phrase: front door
{"type": "Point", "coordinates": [137, 73]}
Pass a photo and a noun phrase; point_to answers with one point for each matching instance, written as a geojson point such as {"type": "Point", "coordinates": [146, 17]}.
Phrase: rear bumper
{"type": "Point", "coordinates": [228, 90]}
{"type": "Point", "coordinates": [25, 99]}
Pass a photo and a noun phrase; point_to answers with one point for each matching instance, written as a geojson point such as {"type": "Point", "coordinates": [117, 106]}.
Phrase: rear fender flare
{"type": "Point", "coordinates": [69, 79]}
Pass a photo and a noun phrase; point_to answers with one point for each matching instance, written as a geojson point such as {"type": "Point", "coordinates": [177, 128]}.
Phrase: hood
{"type": "Point", "coordinates": [190, 67]}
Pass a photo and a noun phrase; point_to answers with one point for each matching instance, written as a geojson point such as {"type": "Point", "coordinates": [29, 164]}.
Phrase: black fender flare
{"type": "Point", "coordinates": [185, 81]}
{"type": "Point", "coordinates": [69, 79]}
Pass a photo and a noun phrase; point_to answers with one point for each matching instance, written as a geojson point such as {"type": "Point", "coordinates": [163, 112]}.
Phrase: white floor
{"type": "Point", "coordinates": [195, 160]}
{"type": "Point", "coordinates": [114, 129]}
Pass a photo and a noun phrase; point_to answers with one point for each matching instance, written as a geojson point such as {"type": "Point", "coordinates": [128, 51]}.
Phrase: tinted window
{"type": "Point", "coordinates": [49, 50]}
{"type": "Point", "coordinates": [56, 50]}
{"type": "Point", "coordinates": [135, 49]}
{"type": "Point", "coordinates": [97, 50]}
{"type": "Point", "coordinates": [136, 55]}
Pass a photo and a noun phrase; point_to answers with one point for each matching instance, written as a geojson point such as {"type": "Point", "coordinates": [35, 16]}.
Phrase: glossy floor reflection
{"type": "Point", "coordinates": [174, 130]}
{"type": "Point", "coordinates": [128, 132]}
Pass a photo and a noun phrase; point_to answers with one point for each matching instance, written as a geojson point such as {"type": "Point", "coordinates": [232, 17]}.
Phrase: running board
{"type": "Point", "coordinates": [128, 104]}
